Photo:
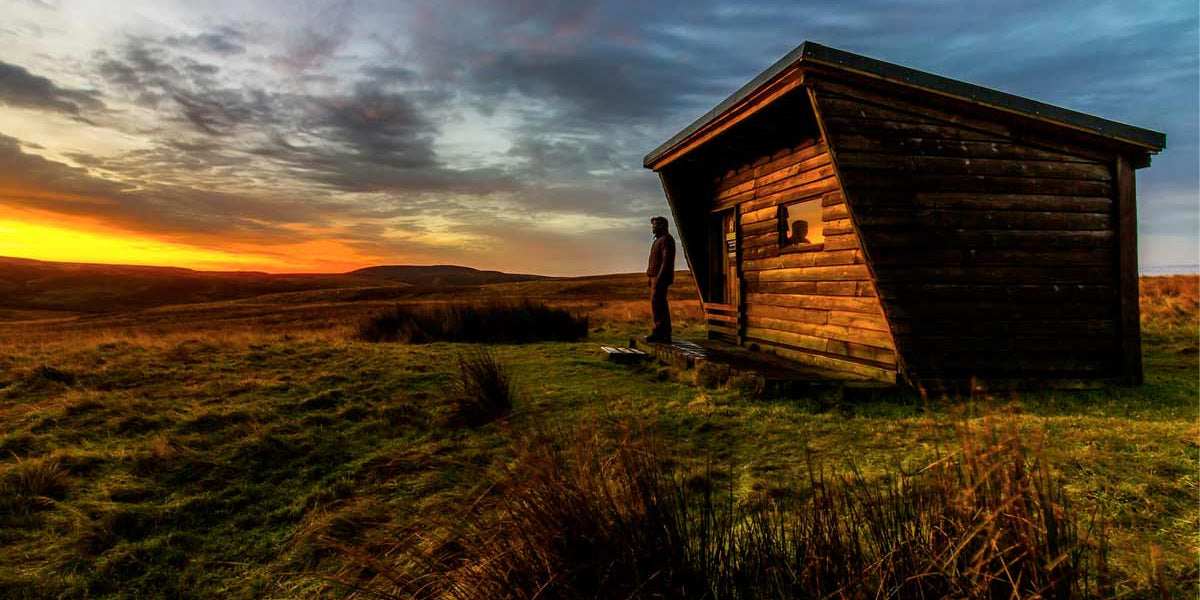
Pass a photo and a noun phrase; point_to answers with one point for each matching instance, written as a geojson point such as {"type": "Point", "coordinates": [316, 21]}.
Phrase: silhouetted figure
{"type": "Point", "coordinates": [661, 272]}
{"type": "Point", "coordinates": [799, 233]}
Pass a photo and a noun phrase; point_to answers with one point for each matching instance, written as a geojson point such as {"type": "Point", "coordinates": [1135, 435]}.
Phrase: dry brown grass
{"type": "Point", "coordinates": [607, 301]}
{"type": "Point", "coordinates": [1171, 302]}
{"type": "Point", "coordinates": [581, 516]}
{"type": "Point", "coordinates": [1168, 303]}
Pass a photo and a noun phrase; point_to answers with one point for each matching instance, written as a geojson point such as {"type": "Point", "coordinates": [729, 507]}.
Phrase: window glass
{"type": "Point", "coordinates": [800, 223]}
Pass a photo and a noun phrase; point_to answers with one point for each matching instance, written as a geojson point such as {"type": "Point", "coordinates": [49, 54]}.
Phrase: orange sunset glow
{"type": "Point", "coordinates": [75, 242]}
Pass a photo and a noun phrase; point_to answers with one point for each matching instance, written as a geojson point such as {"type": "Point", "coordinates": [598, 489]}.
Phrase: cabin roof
{"type": "Point", "coordinates": [813, 53]}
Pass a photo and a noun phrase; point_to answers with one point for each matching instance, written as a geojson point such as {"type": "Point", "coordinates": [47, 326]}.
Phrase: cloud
{"type": "Point", "coordinates": [31, 181]}
{"type": "Point", "coordinates": [520, 126]}
{"type": "Point", "coordinates": [225, 41]}
{"type": "Point", "coordinates": [21, 89]}
{"type": "Point", "coordinates": [323, 35]}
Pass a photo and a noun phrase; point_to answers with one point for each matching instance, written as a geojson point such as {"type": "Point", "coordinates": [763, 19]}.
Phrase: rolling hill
{"type": "Point", "coordinates": [440, 275]}
{"type": "Point", "coordinates": [40, 289]}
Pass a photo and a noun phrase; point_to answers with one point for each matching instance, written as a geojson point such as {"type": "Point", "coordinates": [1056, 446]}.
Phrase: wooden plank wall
{"type": "Point", "coordinates": [995, 254]}
{"type": "Point", "coordinates": [817, 307]}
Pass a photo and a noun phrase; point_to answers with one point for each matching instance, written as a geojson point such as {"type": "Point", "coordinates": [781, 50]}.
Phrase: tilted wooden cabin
{"type": "Point", "coordinates": [857, 215]}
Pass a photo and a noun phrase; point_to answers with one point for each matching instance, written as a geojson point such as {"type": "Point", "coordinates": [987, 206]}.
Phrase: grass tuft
{"type": "Point", "coordinates": [51, 374]}
{"type": "Point", "coordinates": [484, 389]}
{"type": "Point", "coordinates": [487, 322]}
{"type": "Point", "coordinates": [32, 485]}
{"type": "Point", "coordinates": [582, 518]}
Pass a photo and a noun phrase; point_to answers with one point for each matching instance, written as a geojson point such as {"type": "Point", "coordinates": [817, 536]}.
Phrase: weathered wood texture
{"type": "Point", "coordinates": [1127, 274]}
{"type": "Point", "coordinates": [816, 306]}
{"type": "Point", "coordinates": [995, 256]}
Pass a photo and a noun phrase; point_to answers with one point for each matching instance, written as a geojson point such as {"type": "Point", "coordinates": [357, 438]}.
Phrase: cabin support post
{"type": "Point", "coordinates": [1131, 325]}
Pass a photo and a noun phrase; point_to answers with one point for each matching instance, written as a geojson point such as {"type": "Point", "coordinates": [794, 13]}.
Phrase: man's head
{"type": "Point", "coordinates": [658, 225]}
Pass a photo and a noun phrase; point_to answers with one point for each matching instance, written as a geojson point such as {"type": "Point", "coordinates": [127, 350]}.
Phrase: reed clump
{"type": "Point", "coordinates": [486, 322]}
{"type": "Point", "coordinates": [581, 517]}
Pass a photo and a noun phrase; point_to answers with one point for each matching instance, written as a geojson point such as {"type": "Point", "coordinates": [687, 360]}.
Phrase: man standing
{"type": "Point", "coordinates": [661, 272]}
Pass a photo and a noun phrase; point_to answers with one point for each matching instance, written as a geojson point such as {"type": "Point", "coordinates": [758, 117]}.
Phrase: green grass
{"type": "Point", "coordinates": [206, 465]}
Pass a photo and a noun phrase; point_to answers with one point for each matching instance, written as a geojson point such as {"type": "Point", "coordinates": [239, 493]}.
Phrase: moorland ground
{"type": "Point", "coordinates": [204, 450]}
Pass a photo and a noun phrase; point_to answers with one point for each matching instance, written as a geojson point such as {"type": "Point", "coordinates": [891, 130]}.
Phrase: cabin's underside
{"type": "Point", "coordinates": [841, 223]}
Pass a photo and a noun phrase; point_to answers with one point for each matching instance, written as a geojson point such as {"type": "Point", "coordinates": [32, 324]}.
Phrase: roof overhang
{"type": "Point", "coordinates": [788, 73]}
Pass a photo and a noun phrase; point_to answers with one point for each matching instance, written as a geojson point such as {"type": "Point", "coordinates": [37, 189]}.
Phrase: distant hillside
{"type": "Point", "coordinates": [441, 275]}
{"type": "Point", "coordinates": [92, 288]}
{"type": "Point", "coordinates": [33, 285]}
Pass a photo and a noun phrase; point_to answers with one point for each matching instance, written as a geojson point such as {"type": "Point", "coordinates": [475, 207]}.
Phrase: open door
{"type": "Point", "coordinates": [724, 298]}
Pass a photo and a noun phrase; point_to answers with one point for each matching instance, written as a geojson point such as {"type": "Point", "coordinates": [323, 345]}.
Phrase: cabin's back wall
{"type": "Point", "coordinates": [995, 251]}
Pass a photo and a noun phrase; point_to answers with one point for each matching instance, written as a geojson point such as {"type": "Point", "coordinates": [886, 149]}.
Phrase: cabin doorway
{"type": "Point", "coordinates": [733, 288]}
{"type": "Point", "coordinates": [724, 294]}
{"type": "Point", "coordinates": [724, 287]}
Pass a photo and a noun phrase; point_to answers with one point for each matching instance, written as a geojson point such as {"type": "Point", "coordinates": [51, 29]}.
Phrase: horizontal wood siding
{"type": "Point", "coordinates": [995, 257]}
{"type": "Point", "coordinates": [819, 306]}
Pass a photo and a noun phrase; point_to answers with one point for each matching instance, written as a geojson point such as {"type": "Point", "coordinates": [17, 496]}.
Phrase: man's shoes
{"type": "Point", "coordinates": [657, 339]}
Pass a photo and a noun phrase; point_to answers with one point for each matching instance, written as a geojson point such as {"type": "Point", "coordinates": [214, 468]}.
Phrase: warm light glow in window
{"type": "Point", "coordinates": [800, 223]}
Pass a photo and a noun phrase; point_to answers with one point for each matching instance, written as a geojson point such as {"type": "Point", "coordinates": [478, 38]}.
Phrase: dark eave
{"type": "Point", "coordinates": [810, 52]}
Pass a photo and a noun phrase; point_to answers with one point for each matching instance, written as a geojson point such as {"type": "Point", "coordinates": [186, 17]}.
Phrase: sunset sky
{"type": "Point", "coordinates": [326, 136]}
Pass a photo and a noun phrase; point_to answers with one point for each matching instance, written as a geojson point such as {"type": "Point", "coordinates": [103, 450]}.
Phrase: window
{"type": "Point", "coordinates": [800, 227]}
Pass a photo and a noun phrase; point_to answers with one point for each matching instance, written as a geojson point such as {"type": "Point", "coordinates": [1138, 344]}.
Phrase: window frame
{"type": "Point", "coordinates": [782, 228]}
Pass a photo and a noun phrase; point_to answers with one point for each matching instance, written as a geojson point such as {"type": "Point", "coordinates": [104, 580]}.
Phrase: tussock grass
{"type": "Point", "coordinates": [1171, 302]}
{"type": "Point", "coordinates": [484, 389]}
{"type": "Point", "coordinates": [580, 517]}
{"type": "Point", "coordinates": [487, 322]}
{"type": "Point", "coordinates": [31, 485]}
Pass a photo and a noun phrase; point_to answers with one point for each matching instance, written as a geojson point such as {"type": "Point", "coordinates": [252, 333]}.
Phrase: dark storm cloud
{"type": "Point", "coordinates": [378, 126]}
{"type": "Point", "coordinates": [184, 89]}
{"type": "Point", "coordinates": [370, 139]}
{"type": "Point", "coordinates": [21, 89]}
{"type": "Point", "coordinates": [225, 41]}
{"type": "Point", "coordinates": [602, 83]}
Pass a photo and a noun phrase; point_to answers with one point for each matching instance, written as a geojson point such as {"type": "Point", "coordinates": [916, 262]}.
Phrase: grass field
{"type": "Point", "coordinates": [205, 450]}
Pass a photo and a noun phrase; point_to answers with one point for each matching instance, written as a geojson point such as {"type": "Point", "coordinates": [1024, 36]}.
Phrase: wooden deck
{"type": "Point", "coordinates": [781, 376]}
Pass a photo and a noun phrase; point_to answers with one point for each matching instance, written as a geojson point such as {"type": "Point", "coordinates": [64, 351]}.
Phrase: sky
{"type": "Point", "coordinates": [325, 136]}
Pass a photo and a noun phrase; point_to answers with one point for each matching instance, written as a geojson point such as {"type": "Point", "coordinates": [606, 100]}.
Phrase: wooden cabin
{"type": "Point", "coordinates": [856, 215]}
